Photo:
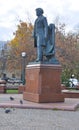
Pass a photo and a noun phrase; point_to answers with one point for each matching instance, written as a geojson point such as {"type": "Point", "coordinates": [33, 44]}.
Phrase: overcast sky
{"type": "Point", "coordinates": [11, 11]}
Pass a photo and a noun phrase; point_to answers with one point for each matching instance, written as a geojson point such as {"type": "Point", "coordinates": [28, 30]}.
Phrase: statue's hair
{"type": "Point", "coordinates": [40, 9]}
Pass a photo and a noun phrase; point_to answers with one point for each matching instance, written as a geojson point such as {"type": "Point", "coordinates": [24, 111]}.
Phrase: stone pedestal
{"type": "Point", "coordinates": [43, 83]}
{"type": "Point", "coordinates": [21, 89]}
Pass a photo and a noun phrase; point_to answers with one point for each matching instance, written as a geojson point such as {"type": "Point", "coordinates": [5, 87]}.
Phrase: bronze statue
{"type": "Point", "coordinates": [44, 38]}
{"type": "Point", "coordinates": [40, 33]}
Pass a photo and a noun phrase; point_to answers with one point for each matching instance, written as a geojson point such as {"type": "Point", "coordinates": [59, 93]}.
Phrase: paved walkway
{"type": "Point", "coordinates": [69, 103]}
{"type": "Point", "coordinates": [45, 118]}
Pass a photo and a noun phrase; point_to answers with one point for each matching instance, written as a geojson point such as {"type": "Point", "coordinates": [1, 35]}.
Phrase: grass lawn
{"type": "Point", "coordinates": [13, 91]}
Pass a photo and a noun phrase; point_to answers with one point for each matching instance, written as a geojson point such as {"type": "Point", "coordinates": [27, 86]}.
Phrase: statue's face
{"type": "Point", "coordinates": [38, 12]}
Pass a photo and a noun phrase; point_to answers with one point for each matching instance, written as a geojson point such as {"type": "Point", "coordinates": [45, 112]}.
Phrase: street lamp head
{"type": "Point", "coordinates": [23, 54]}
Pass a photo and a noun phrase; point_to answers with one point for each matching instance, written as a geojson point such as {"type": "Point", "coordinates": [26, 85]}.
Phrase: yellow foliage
{"type": "Point", "coordinates": [14, 43]}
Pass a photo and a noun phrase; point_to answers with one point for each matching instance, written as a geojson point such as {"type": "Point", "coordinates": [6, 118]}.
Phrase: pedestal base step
{"type": "Point", "coordinates": [43, 98]}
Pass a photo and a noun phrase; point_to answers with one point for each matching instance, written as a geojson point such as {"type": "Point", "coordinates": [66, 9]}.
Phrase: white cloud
{"type": "Point", "coordinates": [74, 5]}
{"type": "Point", "coordinates": [12, 11]}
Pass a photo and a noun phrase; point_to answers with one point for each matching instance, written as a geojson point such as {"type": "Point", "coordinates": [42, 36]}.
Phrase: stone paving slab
{"type": "Point", "coordinates": [69, 104]}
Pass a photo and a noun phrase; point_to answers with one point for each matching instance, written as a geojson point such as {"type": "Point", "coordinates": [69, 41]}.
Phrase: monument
{"type": "Point", "coordinates": [43, 76]}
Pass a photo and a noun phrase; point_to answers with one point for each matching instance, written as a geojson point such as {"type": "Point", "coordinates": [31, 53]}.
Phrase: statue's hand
{"type": "Point", "coordinates": [33, 34]}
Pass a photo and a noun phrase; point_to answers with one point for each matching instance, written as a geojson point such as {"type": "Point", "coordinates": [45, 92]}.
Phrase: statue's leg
{"type": "Point", "coordinates": [39, 49]}
{"type": "Point", "coordinates": [39, 53]}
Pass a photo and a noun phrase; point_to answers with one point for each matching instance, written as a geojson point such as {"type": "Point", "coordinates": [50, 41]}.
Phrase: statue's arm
{"type": "Point", "coordinates": [34, 35]}
{"type": "Point", "coordinates": [45, 27]}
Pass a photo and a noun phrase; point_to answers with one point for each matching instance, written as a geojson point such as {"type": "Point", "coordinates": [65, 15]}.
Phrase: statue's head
{"type": "Point", "coordinates": [39, 11]}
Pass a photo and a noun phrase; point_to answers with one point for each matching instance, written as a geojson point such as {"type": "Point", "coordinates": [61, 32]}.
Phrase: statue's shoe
{"type": "Point", "coordinates": [38, 60]}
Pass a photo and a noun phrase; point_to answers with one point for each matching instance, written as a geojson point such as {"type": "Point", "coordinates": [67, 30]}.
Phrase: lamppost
{"type": "Point", "coordinates": [4, 60]}
{"type": "Point", "coordinates": [23, 67]}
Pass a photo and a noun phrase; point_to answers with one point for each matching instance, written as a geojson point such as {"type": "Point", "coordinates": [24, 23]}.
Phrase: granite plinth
{"type": "Point", "coordinates": [43, 83]}
{"type": "Point", "coordinates": [21, 89]}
